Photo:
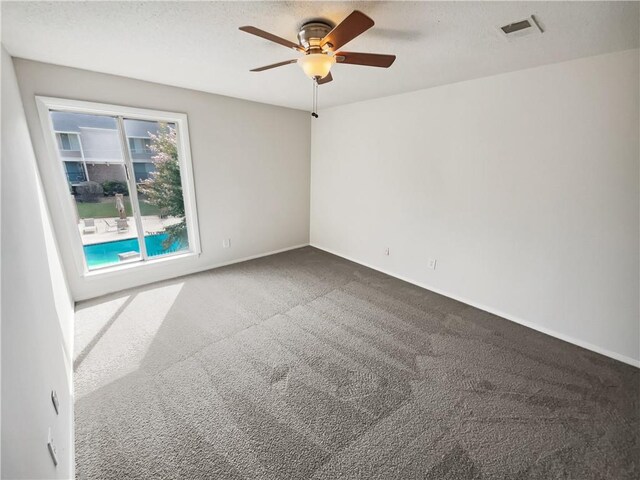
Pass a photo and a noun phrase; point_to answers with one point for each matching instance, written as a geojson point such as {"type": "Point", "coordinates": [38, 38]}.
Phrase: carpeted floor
{"type": "Point", "coordinates": [304, 365]}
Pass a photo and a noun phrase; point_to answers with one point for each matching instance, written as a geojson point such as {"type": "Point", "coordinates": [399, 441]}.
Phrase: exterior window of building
{"type": "Point", "coordinates": [68, 142]}
{"type": "Point", "coordinates": [75, 172]}
{"type": "Point", "coordinates": [142, 170]}
{"type": "Point", "coordinates": [140, 145]}
{"type": "Point", "coordinates": [123, 215]}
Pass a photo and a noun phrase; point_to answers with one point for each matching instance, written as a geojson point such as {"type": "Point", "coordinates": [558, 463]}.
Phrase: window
{"type": "Point", "coordinates": [140, 145]}
{"type": "Point", "coordinates": [75, 172]}
{"type": "Point", "coordinates": [142, 170]}
{"type": "Point", "coordinates": [68, 142]}
{"type": "Point", "coordinates": [121, 213]}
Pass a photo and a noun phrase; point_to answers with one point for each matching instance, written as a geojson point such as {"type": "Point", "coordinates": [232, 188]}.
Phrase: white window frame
{"type": "Point", "coordinates": [60, 183]}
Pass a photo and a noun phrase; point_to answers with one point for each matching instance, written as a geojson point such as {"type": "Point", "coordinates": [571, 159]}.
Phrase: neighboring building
{"type": "Point", "coordinates": [88, 146]}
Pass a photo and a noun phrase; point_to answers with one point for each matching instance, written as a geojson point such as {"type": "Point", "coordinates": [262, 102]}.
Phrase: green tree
{"type": "Point", "coordinates": [163, 188]}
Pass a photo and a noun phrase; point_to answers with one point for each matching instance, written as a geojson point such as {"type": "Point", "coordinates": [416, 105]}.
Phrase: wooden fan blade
{"type": "Point", "coordinates": [326, 79]}
{"type": "Point", "coordinates": [274, 65]}
{"type": "Point", "coordinates": [271, 37]}
{"type": "Point", "coordinates": [352, 26]}
{"type": "Point", "coordinates": [367, 59]}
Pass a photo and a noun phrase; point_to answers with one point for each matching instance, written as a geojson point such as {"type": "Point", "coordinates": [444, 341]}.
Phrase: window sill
{"type": "Point", "coordinates": [127, 267]}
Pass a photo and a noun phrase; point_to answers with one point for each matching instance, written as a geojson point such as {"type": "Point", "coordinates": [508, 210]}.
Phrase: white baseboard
{"type": "Point", "coordinates": [251, 257]}
{"type": "Point", "coordinates": [532, 325]}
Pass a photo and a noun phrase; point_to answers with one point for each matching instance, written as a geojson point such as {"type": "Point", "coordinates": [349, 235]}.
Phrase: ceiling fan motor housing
{"type": "Point", "coordinates": [311, 34]}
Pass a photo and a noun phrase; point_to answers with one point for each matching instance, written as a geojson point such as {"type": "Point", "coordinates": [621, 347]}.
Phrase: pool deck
{"type": "Point", "coordinates": [151, 223]}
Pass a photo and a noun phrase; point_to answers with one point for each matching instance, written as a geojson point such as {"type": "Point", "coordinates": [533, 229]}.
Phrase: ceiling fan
{"type": "Point", "coordinates": [321, 43]}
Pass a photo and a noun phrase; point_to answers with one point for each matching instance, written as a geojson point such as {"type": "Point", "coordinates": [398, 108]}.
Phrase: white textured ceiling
{"type": "Point", "coordinates": [198, 45]}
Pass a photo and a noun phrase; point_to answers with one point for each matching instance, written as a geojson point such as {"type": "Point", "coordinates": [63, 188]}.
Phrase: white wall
{"type": "Point", "coordinates": [523, 186]}
{"type": "Point", "coordinates": [37, 311]}
{"type": "Point", "coordinates": [250, 160]}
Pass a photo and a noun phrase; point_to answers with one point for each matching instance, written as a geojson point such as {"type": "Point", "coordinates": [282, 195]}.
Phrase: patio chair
{"type": "Point", "coordinates": [110, 225]}
{"type": "Point", "coordinates": [89, 226]}
{"type": "Point", "coordinates": [123, 225]}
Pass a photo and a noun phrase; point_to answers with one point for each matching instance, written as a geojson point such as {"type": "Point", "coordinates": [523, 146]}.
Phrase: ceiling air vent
{"type": "Point", "coordinates": [521, 28]}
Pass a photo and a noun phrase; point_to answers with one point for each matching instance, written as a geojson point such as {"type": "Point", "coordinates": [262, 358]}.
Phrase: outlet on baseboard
{"type": "Point", "coordinates": [226, 243]}
{"type": "Point", "coordinates": [432, 263]}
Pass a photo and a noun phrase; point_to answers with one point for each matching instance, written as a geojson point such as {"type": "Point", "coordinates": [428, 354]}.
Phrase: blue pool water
{"type": "Point", "coordinates": [103, 254]}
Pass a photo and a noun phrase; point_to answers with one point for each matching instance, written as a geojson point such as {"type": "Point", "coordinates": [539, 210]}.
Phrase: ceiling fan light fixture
{"type": "Point", "coordinates": [316, 65]}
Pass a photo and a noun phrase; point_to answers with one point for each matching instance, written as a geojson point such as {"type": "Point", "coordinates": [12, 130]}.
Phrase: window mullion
{"type": "Point", "coordinates": [133, 191]}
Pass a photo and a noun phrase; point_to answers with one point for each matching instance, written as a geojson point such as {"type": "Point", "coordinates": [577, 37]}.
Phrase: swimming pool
{"type": "Point", "coordinates": [103, 254]}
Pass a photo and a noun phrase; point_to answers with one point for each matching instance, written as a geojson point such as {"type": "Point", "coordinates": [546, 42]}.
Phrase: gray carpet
{"type": "Point", "coordinates": [304, 365]}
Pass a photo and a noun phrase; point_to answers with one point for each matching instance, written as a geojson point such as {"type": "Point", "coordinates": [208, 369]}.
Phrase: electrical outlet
{"type": "Point", "coordinates": [386, 251]}
{"type": "Point", "coordinates": [226, 243]}
{"type": "Point", "coordinates": [432, 263]}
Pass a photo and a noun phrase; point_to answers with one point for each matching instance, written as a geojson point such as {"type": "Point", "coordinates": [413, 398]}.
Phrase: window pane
{"type": "Point", "coordinates": [75, 172]}
{"type": "Point", "coordinates": [142, 170]}
{"type": "Point", "coordinates": [74, 144]}
{"type": "Point", "coordinates": [65, 141]}
{"type": "Point", "coordinates": [68, 142]}
{"type": "Point", "coordinates": [136, 145]}
{"type": "Point", "coordinates": [159, 186]}
{"type": "Point", "coordinates": [105, 222]}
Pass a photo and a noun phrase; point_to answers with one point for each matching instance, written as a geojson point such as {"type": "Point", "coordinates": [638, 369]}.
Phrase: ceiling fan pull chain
{"type": "Point", "coordinates": [314, 113]}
